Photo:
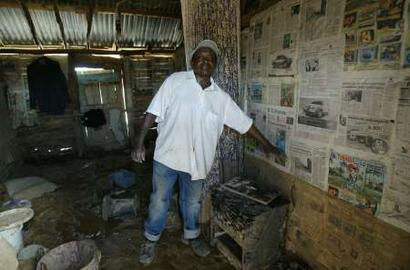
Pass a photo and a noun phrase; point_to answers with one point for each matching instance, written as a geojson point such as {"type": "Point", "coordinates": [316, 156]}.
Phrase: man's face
{"type": "Point", "coordinates": [204, 62]}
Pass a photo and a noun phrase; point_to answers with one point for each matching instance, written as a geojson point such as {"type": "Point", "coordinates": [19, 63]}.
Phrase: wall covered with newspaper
{"type": "Point", "coordinates": [327, 81]}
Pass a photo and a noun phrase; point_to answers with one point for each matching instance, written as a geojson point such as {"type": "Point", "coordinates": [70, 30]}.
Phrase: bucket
{"type": "Point", "coordinates": [81, 255]}
{"type": "Point", "coordinates": [11, 225]}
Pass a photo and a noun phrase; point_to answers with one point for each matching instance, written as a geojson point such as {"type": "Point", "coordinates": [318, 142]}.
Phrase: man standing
{"type": "Point", "coordinates": [191, 111]}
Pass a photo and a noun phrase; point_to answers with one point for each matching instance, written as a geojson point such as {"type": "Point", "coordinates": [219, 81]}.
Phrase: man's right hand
{"type": "Point", "coordinates": [138, 154]}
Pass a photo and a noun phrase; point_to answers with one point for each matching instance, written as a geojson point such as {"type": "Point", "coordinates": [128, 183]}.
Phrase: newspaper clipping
{"type": "Point", "coordinates": [356, 180]}
{"type": "Point", "coordinates": [373, 32]}
{"type": "Point", "coordinates": [366, 134]}
{"type": "Point", "coordinates": [321, 18]}
{"type": "Point", "coordinates": [309, 162]}
{"type": "Point", "coordinates": [280, 92]}
{"type": "Point", "coordinates": [372, 94]}
{"type": "Point", "coordinates": [279, 128]}
{"type": "Point", "coordinates": [396, 200]}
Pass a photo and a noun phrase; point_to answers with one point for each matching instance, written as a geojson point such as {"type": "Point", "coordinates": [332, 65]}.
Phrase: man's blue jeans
{"type": "Point", "coordinates": [163, 180]}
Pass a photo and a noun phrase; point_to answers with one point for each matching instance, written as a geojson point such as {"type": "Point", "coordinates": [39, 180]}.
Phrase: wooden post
{"type": "Point", "coordinates": [219, 21]}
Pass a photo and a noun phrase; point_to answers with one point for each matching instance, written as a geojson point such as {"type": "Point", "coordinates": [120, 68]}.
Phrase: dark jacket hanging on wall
{"type": "Point", "coordinates": [47, 85]}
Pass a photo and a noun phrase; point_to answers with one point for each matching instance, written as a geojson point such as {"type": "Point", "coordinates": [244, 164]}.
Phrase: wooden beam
{"type": "Point", "coordinates": [60, 23]}
{"type": "Point", "coordinates": [90, 14]}
{"type": "Point", "coordinates": [85, 51]}
{"type": "Point", "coordinates": [30, 23]}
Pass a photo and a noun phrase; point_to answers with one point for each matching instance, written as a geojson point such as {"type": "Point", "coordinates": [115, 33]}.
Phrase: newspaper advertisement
{"type": "Point", "coordinates": [366, 134]}
{"type": "Point", "coordinates": [279, 128]}
{"type": "Point", "coordinates": [372, 94]}
{"type": "Point", "coordinates": [309, 162]}
{"type": "Point", "coordinates": [374, 33]}
{"type": "Point", "coordinates": [357, 180]}
{"type": "Point", "coordinates": [285, 26]}
{"type": "Point", "coordinates": [321, 18]}
{"type": "Point", "coordinates": [280, 92]}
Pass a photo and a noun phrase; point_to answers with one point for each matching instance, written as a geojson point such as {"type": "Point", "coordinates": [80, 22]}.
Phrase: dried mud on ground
{"type": "Point", "coordinates": [73, 212]}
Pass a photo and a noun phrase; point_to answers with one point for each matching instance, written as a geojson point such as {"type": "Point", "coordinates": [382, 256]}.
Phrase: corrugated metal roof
{"type": "Point", "coordinates": [155, 32]}
{"type": "Point", "coordinates": [14, 28]}
{"type": "Point", "coordinates": [47, 28]}
{"type": "Point", "coordinates": [103, 30]}
{"type": "Point", "coordinates": [75, 27]}
{"type": "Point", "coordinates": [137, 31]}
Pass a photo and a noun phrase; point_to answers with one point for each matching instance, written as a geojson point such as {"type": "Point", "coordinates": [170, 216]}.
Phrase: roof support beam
{"type": "Point", "coordinates": [60, 23]}
{"type": "Point", "coordinates": [90, 14]}
{"type": "Point", "coordinates": [30, 23]}
{"type": "Point", "coordinates": [141, 52]}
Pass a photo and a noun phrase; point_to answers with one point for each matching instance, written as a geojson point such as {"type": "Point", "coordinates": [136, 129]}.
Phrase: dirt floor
{"type": "Point", "coordinates": [73, 212]}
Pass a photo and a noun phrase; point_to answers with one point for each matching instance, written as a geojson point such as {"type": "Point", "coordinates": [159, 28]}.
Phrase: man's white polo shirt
{"type": "Point", "coordinates": [190, 122]}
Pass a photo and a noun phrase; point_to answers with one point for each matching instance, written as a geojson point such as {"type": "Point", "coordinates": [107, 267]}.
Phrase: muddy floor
{"type": "Point", "coordinates": [73, 212]}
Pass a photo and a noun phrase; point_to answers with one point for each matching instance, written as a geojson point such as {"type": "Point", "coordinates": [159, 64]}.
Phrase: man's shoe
{"type": "Point", "coordinates": [147, 251]}
{"type": "Point", "coordinates": [199, 246]}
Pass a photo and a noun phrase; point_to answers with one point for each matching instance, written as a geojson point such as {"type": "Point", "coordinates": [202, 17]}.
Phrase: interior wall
{"type": "Point", "coordinates": [324, 81]}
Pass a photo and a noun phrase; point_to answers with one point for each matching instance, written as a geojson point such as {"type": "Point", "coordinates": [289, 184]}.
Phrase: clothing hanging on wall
{"type": "Point", "coordinates": [47, 86]}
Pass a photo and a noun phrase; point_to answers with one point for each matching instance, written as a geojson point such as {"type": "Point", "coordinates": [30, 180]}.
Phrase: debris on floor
{"type": "Point", "coordinates": [74, 212]}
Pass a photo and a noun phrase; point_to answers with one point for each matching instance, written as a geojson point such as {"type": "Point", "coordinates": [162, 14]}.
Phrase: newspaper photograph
{"type": "Point", "coordinates": [280, 92]}
{"type": "Point", "coordinates": [256, 91]}
{"type": "Point", "coordinates": [374, 33]}
{"type": "Point", "coordinates": [309, 162]}
{"type": "Point", "coordinates": [321, 18]}
{"type": "Point", "coordinates": [318, 112]}
{"type": "Point", "coordinates": [356, 180]}
{"type": "Point", "coordinates": [321, 67]}
{"type": "Point", "coordinates": [366, 134]}
{"type": "Point", "coordinates": [281, 63]}
{"type": "Point", "coordinates": [372, 94]}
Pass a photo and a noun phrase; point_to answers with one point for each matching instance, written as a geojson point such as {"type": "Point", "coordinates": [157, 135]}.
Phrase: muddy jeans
{"type": "Point", "coordinates": [163, 180]}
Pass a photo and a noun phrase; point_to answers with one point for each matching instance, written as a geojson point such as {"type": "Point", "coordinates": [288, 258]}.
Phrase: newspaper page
{"type": "Point", "coordinates": [373, 32]}
{"type": "Point", "coordinates": [309, 162]}
{"type": "Point", "coordinates": [321, 18]}
{"type": "Point", "coordinates": [284, 28]}
{"type": "Point", "coordinates": [279, 129]}
{"type": "Point", "coordinates": [371, 93]}
{"type": "Point", "coordinates": [257, 112]}
{"type": "Point", "coordinates": [356, 179]}
{"type": "Point", "coordinates": [280, 92]}
{"type": "Point", "coordinates": [396, 200]}
{"type": "Point", "coordinates": [320, 68]}
{"type": "Point", "coordinates": [366, 134]}
{"type": "Point", "coordinates": [259, 44]}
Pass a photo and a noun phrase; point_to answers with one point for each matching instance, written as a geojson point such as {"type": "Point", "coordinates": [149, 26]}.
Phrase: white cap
{"type": "Point", "coordinates": [207, 43]}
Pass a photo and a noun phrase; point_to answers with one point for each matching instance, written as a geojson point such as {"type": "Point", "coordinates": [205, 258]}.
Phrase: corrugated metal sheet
{"type": "Point", "coordinates": [75, 27]}
{"type": "Point", "coordinates": [137, 31]}
{"type": "Point", "coordinates": [103, 30]}
{"type": "Point", "coordinates": [14, 29]}
{"type": "Point", "coordinates": [47, 28]}
{"type": "Point", "coordinates": [155, 32]}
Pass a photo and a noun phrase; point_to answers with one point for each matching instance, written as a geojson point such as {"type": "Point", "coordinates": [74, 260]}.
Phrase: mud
{"type": "Point", "coordinates": [73, 212]}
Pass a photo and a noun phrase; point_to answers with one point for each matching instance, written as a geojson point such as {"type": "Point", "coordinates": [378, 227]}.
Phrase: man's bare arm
{"type": "Point", "coordinates": [138, 154]}
{"type": "Point", "coordinates": [267, 146]}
